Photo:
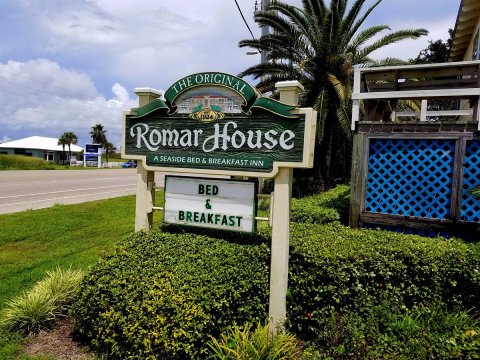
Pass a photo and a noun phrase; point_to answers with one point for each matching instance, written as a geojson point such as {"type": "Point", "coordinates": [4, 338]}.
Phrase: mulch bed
{"type": "Point", "coordinates": [57, 343]}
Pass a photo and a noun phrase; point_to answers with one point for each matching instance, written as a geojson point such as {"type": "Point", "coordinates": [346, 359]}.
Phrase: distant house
{"type": "Point", "coordinates": [40, 147]}
{"type": "Point", "coordinates": [466, 39]}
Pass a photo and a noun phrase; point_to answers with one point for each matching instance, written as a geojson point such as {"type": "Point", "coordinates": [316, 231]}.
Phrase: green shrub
{"type": "Point", "coordinates": [322, 208]}
{"type": "Point", "coordinates": [392, 333]}
{"type": "Point", "coordinates": [337, 269]}
{"type": "Point", "coordinates": [163, 295]}
{"type": "Point", "coordinates": [41, 305]}
{"type": "Point", "coordinates": [245, 343]}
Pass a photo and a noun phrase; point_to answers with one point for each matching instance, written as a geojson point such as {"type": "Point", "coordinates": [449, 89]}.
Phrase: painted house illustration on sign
{"type": "Point", "coordinates": [226, 102]}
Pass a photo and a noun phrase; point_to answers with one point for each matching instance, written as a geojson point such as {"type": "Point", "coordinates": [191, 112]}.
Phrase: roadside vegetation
{"type": "Point", "coordinates": [353, 293]}
{"type": "Point", "coordinates": [19, 162]}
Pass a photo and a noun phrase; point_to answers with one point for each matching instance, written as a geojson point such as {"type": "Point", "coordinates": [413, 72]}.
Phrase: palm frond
{"type": "Point", "coordinates": [352, 15]}
{"type": "Point", "coordinates": [364, 36]}
{"type": "Point", "coordinates": [359, 22]}
{"type": "Point", "coordinates": [391, 39]}
{"type": "Point", "coordinates": [389, 61]}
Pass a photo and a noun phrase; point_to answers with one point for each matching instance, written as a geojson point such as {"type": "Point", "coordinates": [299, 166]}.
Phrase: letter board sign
{"type": "Point", "coordinates": [211, 203]}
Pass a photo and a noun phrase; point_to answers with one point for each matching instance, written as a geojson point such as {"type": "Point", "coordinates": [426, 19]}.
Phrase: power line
{"type": "Point", "coordinates": [46, 84]}
{"type": "Point", "coordinates": [37, 90]}
{"type": "Point", "coordinates": [244, 20]}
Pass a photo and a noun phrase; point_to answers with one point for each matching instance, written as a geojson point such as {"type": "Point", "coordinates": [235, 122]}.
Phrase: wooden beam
{"type": "Point", "coordinates": [423, 110]}
{"type": "Point", "coordinates": [457, 179]}
{"type": "Point", "coordinates": [438, 84]}
{"type": "Point", "coordinates": [359, 177]}
{"type": "Point", "coordinates": [457, 227]}
{"type": "Point", "coordinates": [436, 113]}
{"type": "Point", "coordinates": [415, 94]}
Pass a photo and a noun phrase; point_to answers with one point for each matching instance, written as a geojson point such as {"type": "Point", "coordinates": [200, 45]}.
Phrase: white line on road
{"type": "Point", "coordinates": [110, 178]}
{"type": "Point", "coordinates": [64, 191]}
{"type": "Point", "coordinates": [60, 198]}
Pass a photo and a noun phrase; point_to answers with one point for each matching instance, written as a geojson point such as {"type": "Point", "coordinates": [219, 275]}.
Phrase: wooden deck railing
{"type": "Point", "coordinates": [407, 93]}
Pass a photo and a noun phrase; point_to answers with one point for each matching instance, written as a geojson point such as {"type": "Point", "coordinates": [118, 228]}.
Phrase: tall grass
{"type": "Point", "coordinates": [19, 162]}
{"type": "Point", "coordinates": [38, 307]}
{"type": "Point", "coordinates": [249, 343]}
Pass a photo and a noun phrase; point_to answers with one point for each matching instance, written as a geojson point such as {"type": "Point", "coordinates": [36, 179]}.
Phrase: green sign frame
{"type": "Point", "coordinates": [216, 123]}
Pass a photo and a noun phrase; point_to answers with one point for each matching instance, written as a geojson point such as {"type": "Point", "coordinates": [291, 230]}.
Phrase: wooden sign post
{"type": "Point", "coordinates": [144, 198]}
{"type": "Point", "coordinates": [277, 309]}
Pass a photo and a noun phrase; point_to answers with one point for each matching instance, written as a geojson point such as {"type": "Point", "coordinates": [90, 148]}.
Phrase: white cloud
{"type": "Point", "coordinates": [40, 79]}
{"type": "Point", "coordinates": [5, 139]}
{"type": "Point", "coordinates": [149, 43]}
{"type": "Point", "coordinates": [43, 98]}
{"type": "Point", "coordinates": [80, 28]}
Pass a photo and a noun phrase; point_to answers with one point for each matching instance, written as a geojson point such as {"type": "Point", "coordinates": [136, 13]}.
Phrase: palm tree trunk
{"type": "Point", "coordinates": [323, 159]}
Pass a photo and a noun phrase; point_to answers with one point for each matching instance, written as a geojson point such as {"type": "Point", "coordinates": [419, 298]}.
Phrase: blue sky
{"type": "Point", "coordinates": [66, 65]}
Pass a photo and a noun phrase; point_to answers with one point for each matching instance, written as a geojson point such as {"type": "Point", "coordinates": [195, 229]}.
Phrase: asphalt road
{"type": "Point", "coordinates": [23, 190]}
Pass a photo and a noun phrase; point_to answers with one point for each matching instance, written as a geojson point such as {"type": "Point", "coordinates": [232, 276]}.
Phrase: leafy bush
{"type": "Point", "coordinates": [245, 343]}
{"type": "Point", "coordinates": [41, 305]}
{"type": "Point", "coordinates": [337, 269]}
{"type": "Point", "coordinates": [163, 295]}
{"type": "Point", "coordinates": [322, 208]}
{"type": "Point", "coordinates": [392, 333]}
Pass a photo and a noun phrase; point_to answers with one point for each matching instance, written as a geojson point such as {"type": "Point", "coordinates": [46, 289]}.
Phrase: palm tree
{"type": "Point", "coordinates": [109, 149]}
{"type": "Point", "coordinates": [319, 46]}
{"type": "Point", "coordinates": [99, 134]}
{"type": "Point", "coordinates": [68, 138]}
{"type": "Point", "coordinates": [62, 141]}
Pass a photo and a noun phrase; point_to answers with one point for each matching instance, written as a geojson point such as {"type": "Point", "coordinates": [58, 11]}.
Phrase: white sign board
{"type": "Point", "coordinates": [211, 203]}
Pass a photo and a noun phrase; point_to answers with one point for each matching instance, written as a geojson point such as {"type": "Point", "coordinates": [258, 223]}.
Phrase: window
{"type": "Point", "coordinates": [49, 155]}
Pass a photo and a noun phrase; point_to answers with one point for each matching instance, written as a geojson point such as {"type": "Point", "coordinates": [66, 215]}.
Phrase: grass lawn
{"type": "Point", "coordinates": [35, 241]}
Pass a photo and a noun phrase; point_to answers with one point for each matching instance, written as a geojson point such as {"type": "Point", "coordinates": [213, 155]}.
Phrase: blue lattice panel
{"type": "Point", "coordinates": [410, 177]}
{"type": "Point", "coordinates": [470, 210]}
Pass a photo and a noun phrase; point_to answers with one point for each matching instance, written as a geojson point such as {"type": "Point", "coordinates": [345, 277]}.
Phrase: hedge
{"type": "Point", "coordinates": [337, 269]}
{"type": "Point", "coordinates": [163, 295]}
{"type": "Point", "coordinates": [322, 208]}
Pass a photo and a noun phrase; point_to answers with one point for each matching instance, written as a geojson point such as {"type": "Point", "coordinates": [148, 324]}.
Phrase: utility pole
{"type": "Point", "coordinates": [265, 31]}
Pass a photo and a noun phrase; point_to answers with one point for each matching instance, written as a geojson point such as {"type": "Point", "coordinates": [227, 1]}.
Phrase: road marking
{"type": "Point", "coordinates": [64, 191]}
{"type": "Point", "coordinates": [110, 178]}
{"type": "Point", "coordinates": [61, 198]}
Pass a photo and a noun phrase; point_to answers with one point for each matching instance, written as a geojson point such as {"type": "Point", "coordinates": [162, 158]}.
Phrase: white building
{"type": "Point", "coordinates": [40, 147]}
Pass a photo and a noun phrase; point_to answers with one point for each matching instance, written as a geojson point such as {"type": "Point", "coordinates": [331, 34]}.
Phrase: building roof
{"type": "Point", "coordinates": [467, 20]}
{"type": "Point", "coordinates": [39, 143]}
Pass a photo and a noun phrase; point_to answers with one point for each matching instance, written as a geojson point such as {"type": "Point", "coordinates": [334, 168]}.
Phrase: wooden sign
{"type": "Point", "coordinates": [217, 123]}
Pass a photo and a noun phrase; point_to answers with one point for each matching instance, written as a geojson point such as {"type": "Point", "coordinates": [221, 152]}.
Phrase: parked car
{"type": "Point", "coordinates": [130, 164]}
